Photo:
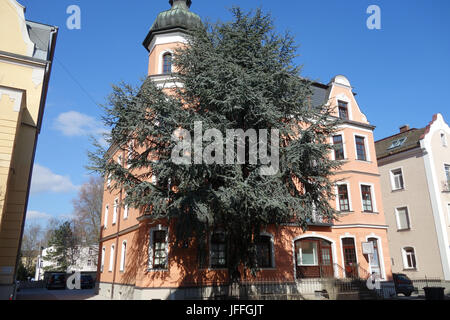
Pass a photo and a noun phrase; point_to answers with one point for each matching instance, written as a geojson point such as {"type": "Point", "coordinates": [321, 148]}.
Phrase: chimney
{"type": "Point", "coordinates": [404, 128]}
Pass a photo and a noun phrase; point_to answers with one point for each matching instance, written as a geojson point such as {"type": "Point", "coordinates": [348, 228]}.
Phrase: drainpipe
{"type": "Point", "coordinates": [119, 209]}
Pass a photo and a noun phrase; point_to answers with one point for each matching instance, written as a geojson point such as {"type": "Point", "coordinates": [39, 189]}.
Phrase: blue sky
{"type": "Point", "coordinates": [400, 73]}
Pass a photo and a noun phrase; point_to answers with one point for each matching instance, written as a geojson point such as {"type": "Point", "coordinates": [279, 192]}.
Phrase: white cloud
{"type": "Point", "coordinates": [73, 123]}
{"type": "Point", "coordinates": [44, 180]}
{"type": "Point", "coordinates": [34, 215]}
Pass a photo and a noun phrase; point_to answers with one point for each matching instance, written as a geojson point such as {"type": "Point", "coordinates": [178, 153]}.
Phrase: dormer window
{"type": "Point", "coordinates": [343, 110]}
{"type": "Point", "coordinates": [167, 63]}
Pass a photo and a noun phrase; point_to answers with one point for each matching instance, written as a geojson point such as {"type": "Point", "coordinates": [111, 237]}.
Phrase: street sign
{"type": "Point", "coordinates": [367, 247]}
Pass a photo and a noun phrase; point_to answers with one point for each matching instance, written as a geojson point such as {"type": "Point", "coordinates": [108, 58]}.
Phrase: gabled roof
{"type": "Point", "coordinates": [413, 137]}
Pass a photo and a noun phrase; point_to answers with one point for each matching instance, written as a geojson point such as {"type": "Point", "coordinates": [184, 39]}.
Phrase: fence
{"type": "Point", "coordinates": [303, 289]}
{"type": "Point", "coordinates": [419, 284]}
{"type": "Point", "coordinates": [31, 284]}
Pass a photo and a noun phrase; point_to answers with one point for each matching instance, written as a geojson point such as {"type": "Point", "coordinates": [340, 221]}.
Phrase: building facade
{"type": "Point", "coordinates": [85, 260]}
{"type": "Point", "coordinates": [26, 54]}
{"type": "Point", "coordinates": [415, 178]}
{"type": "Point", "coordinates": [138, 260]}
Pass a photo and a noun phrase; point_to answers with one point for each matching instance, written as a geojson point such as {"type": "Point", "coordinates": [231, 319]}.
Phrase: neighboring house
{"type": "Point", "coordinates": [415, 177]}
{"type": "Point", "coordinates": [137, 258]}
{"type": "Point", "coordinates": [26, 54]}
{"type": "Point", "coordinates": [85, 261]}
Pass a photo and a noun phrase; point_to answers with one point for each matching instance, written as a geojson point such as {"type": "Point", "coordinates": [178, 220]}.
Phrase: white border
{"type": "Point", "coordinates": [391, 175]}
{"type": "Point", "coordinates": [372, 193]}
{"type": "Point", "coordinates": [348, 235]}
{"type": "Point", "coordinates": [405, 267]}
{"type": "Point", "coordinates": [313, 235]}
{"type": "Point", "coordinates": [350, 204]}
{"type": "Point", "coordinates": [398, 219]}
{"type": "Point", "coordinates": [366, 146]}
{"type": "Point", "coordinates": [380, 255]}
{"type": "Point", "coordinates": [159, 227]}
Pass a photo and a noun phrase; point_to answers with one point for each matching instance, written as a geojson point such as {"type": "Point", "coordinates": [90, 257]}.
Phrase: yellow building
{"type": "Point", "coordinates": [26, 54]}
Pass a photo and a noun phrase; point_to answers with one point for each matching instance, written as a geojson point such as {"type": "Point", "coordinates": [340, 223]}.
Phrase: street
{"type": "Point", "coordinates": [45, 294]}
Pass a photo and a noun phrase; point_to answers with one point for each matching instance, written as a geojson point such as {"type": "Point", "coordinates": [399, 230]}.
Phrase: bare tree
{"type": "Point", "coordinates": [87, 211]}
{"type": "Point", "coordinates": [31, 242]}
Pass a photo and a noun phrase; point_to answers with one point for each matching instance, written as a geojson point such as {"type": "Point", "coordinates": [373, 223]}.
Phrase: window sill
{"type": "Point", "coordinates": [397, 190]}
{"type": "Point", "coordinates": [344, 213]}
{"type": "Point", "coordinates": [402, 230]}
{"type": "Point", "coordinates": [370, 212]}
{"type": "Point", "coordinates": [365, 161]}
{"type": "Point", "coordinates": [157, 270]}
{"type": "Point", "coordinates": [410, 269]}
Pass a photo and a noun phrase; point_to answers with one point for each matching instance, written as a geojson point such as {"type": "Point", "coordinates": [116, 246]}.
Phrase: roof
{"type": "Point", "coordinates": [413, 137]}
{"type": "Point", "coordinates": [42, 36]}
{"type": "Point", "coordinates": [178, 17]}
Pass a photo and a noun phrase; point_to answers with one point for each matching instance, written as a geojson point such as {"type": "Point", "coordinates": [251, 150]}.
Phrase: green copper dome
{"type": "Point", "coordinates": [179, 16]}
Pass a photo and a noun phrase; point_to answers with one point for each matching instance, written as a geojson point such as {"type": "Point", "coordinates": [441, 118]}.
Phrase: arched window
{"type": "Point", "coordinates": [313, 258]}
{"type": "Point", "coordinates": [103, 259]}
{"type": "Point", "coordinates": [123, 256]}
{"type": "Point", "coordinates": [167, 63]}
{"type": "Point", "coordinates": [409, 258]}
{"type": "Point", "coordinates": [111, 259]}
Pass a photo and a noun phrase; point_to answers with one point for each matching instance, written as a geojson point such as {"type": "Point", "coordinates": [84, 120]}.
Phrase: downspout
{"type": "Point", "coordinates": [117, 237]}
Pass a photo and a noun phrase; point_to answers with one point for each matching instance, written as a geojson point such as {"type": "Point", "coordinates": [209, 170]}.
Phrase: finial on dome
{"type": "Point", "coordinates": [186, 2]}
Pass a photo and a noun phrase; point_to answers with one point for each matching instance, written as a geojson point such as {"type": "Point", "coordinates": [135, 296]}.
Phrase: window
{"type": "Point", "coordinates": [343, 110]}
{"type": "Point", "coordinates": [308, 253]}
{"type": "Point", "coordinates": [167, 63]}
{"type": "Point", "coordinates": [360, 148]}
{"type": "Point", "coordinates": [397, 179]}
{"type": "Point", "coordinates": [125, 212]}
{"type": "Point", "coordinates": [106, 216]}
{"type": "Point", "coordinates": [338, 148]}
{"type": "Point", "coordinates": [264, 252]}
{"type": "Point", "coordinates": [447, 173]}
{"type": "Point", "coordinates": [103, 259]}
{"type": "Point", "coordinates": [123, 255]}
{"type": "Point", "coordinates": [114, 219]}
{"type": "Point", "coordinates": [403, 219]}
{"type": "Point", "coordinates": [89, 263]}
{"type": "Point", "coordinates": [350, 262]}
{"type": "Point", "coordinates": [159, 249]}
{"type": "Point", "coordinates": [108, 183]}
{"type": "Point", "coordinates": [443, 139]}
{"type": "Point", "coordinates": [218, 250]}
{"type": "Point", "coordinates": [409, 257]}
{"type": "Point", "coordinates": [397, 143]}
{"type": "Point", "coordinates": [119, 160]}
{"type": "Point", "coordinates": [448, 213]}
{"type": "Point", "coordinates": [111, 259]}
{"type": "Point", "coordinates": [343, 198]}
{"type": "Point", "coordinates": [366, 198]}
{"type": "Point", "coordinates": [130, 153]}
{"type": "Point", "coordinates": [90, 251]}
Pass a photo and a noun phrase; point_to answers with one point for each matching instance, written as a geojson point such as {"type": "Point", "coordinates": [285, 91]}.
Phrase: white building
{"type": "Point", "coordinates": [85, 261]}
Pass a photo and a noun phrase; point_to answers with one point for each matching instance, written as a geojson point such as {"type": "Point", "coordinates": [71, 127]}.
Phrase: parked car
{"type": "Point", "coordinates": [56, 281]}
{"type": "Point", "coordinates": [86, 282]}
{"type": "Point", "coordinates": [403, 284]}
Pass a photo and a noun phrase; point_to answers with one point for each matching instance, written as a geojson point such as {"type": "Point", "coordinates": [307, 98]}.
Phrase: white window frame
{"type": "Point", "coordinates": [108, 180]}
{"type": "Point", "coordinates": [366, 146]}
{"type": "Point", "coordinates": [343, 97]}
{"type": "Point", "coordinates": [125, 212]}
{"type": "Point", "coordinates": [103, 259]}
{"type": "Point", "coordinates": [392, 177]}
{"type": "Point", "coordinates": [129, 152]}
{"type": "Point", "coordinates": [405, 259]}
{"type": "Point", "coordinates": [448, 214]}
{"type": "Point", "coordinates": [123, 255]}
{"type": "Point", "coordinates": [114, 218]}
{"type": "Point", "coordinates": [105, 222]}
{"type": "Point", "coordinates": [111, 258]}
{"type": "Point", "coordinates": [120, 159]}
{"type": "Point", "coordinates": [350, 205]}
{"type": "Point", "coordinates": [447, 178]}
{"type": "Point", "coordinates": [339, 133]}
{"type": "Point", "coordinates": [159, 227]}
{"type": "Point", "coordinates": [372, 193]}
{"type": "Point", "coordinates": [397, 217]}
{"type": "Point", "coordinates": [348, 235]}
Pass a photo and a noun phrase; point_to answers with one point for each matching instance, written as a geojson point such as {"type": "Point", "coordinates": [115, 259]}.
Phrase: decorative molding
{"type": "Point", "coordinates": [14, 95]}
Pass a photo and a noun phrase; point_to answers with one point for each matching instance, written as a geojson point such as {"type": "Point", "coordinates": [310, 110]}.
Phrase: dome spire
{"type": "Point", "coordinates": [180, 3]}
